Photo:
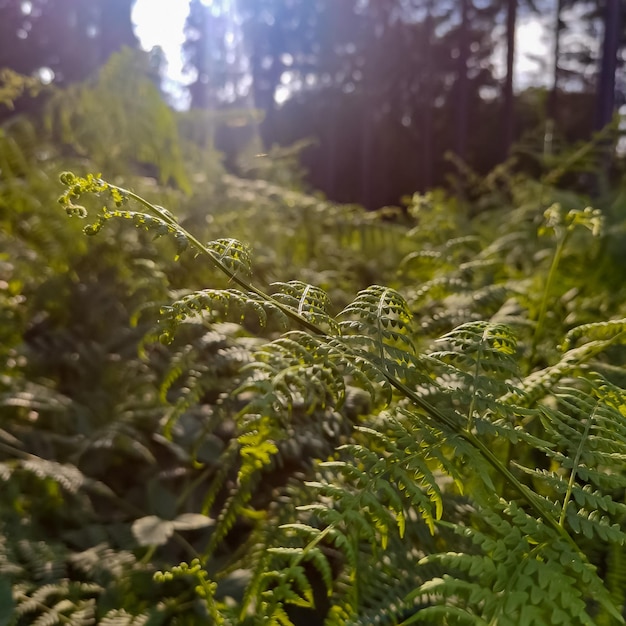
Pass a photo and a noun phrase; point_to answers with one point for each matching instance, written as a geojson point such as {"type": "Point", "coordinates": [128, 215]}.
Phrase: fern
{"type": "Point", "coordinates": [219, 305]}
{"type": "Point", "coordinates": [310, 302]}
{"type": "Point", "coordinates": [119, 617]}
{"type": "Point", "coordinates": [519, 574]}
{"type": "Point", "coordinates": [449, 412]}
{"type": "Point", "coordinates": [42, 608]}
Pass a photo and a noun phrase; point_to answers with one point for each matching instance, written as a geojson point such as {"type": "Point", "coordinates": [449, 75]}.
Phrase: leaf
{"type": "Point", "coordinates": [152, 530]}
{"type": "Point", "coordinates": [192, 521]}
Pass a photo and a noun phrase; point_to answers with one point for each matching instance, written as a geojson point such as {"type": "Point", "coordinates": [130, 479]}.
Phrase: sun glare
{"type": "Point", "coordinates": [161, 23]}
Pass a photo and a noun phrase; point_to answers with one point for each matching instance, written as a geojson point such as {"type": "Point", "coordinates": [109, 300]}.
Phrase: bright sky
{"type": "Point", "coordinates": [161, 23]}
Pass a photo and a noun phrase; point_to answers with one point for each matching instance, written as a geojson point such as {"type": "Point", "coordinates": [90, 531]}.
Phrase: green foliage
{"type": "Point", "coordinates": [438, 457]}
{"type": "Point", "coordinates": [357, 419]}
{"type": "Point", "coordinates": [14, 85]}
{"type": "Point", "coordinates": [135, 127]}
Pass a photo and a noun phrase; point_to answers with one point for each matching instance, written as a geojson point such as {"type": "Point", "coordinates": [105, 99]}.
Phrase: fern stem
{"type": "Point", "coordinates": [543, 310]}
{"type": "Point", "coordinates": [470, 412]}
{"type": "Point", "coordinates": [192, 485]}
{"type": "Point", "coordinates": [572, 477]}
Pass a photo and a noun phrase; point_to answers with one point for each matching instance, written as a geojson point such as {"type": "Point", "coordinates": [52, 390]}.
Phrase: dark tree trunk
{"type": "Point", "coordinates": [509, 101]}
{"type": "Point", "coordinates": [116, 27]}
{"type": "Point", "coordinates": [605, 92]}
{"type": "Point", "coordinates": [427, 118]}
{"type": "Point", "coordinates": [552, 103]}
{"type": "Point", "coordinates": [462, 103]}
{"type": "Point", "coordinates": [367, 158]}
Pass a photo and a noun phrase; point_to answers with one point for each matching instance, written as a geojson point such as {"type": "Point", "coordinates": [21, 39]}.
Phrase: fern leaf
{"type": "Point", "coordinates": [382, 315]}
{"type": "Point", "coordinates": [155, 225]}
{"type": "Point", "coordinates": [611, 331]}
{"type": "Point", "coordinates": [232, 254]}
{"type": "Point", "coordinates": [119, 617]}
{"type": "Point", "coordinates": [219, 305]}
{"type": "Point", "coordinates": [68, 476]}
{"type": "Point", "coordinates": [518, 566]}
{"type": "Point", "coordinates": [308, 301]}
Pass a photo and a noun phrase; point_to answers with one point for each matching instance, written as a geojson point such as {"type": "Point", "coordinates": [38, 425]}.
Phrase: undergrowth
{"type": "Point", "coordinates": [482, 483]}
{"type": "Point", "coordinates": [407, 416]}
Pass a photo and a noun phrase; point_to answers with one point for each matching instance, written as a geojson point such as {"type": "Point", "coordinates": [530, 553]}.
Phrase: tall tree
{"type": "Point", "coordinates": [551, 105]}
{"type": "Point", "coordinates": [462, 108]}
{"type": "Point", "coordinates": [282, 40]}
{"type": "Point", "coordinates": [605, 91]}
{"type": "Point", "coordinates": [115, 27]}
{"type": "Point", "coordinates": [71, 38]}
{"type": "Point", "coordinates": [208, 55]}
{"type": "Point", "coordinates": [508, 101]}
{"type": "Point", "coordinates": [383, 86]}
{"type": "Point", "coordinates": [426, 181]}
{"type": "Point", "coordinates": [513, 9]}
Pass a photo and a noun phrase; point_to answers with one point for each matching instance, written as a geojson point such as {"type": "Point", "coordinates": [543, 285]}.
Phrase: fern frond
{"type": "Point", "coordinates": [155, 225]}
{"type": "Point", "coordinates": [68, 476]}
{"type": "Point", "coordinates": [310, 302]}
{"type": "Point", "coordinates": [476, 370]}
{"type": "Point", "coordinates": [119, 617]}
{"type": "Point", "coordinates": [220, 305]}
{"type": "Point", "coordinates": [392, 458]}
{"type": "Point", "coordinates": [378, 316]}
{"type": "Point", "coordinates": [296, 369]}
{"type": "Point", "coordinates": [101, 564]}
{"type": "Point", "coordinates": [615, 581]}
{"type": "Point", "coordinates": [232, 254]}
{"type": "Point", "coordinates": [249, 476]}
{"type": "Point", "coordinates": [588, 431]}
{"type": "Point", "coordinates": [540, 383]}
{"type": "Point", "coordinates": [521, 575]}
{"type": "Point", "coordinates": [610, 332]}
{"type": "Point", "coordinates": [488, 346]}
{"type": "Point", "coordinates": [206, 366]}
{"type": "Point", "coordinates": [65, 602]}
{"type": "Point", "coordinates": [438, 288]}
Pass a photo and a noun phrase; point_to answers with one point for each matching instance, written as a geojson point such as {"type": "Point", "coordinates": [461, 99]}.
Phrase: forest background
{"type": "Point", "coordinates": [380, 92]}
{"type": "Point", "coordinates": [441, 443]}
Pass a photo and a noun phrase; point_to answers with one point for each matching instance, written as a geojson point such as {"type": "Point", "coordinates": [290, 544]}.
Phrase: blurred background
{"type": "Point", "coordinates": [373, 95]}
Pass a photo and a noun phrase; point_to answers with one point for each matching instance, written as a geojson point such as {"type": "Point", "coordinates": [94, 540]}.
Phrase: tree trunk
{"type": "Point", "coordinates": [605, 92]}
{"type": "Point", "coordinates": [509, 100]}
{"type": "Point", "coordinates": [463, 83]}
{"type": "Point", "coordinates": [554, 91]}
{"type": "Point", "coordinates": [426, 181]}
{"type": "Point", "coordinates": [116, 27]}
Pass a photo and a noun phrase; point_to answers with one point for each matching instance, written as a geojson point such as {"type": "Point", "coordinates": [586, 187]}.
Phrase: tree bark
{"type": "Point", "coordinates": [427, 118]}
{"type": "Point", "coordinates": [463, 82]}
{"type": "Point", "coordinates": [554, 91]}
{"type": "Point", "coordinates": [116, 27]}
{"type": "Point", "coordinates": [605, 92]}
{"type": "Point", "coordinates": [509, 100]}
